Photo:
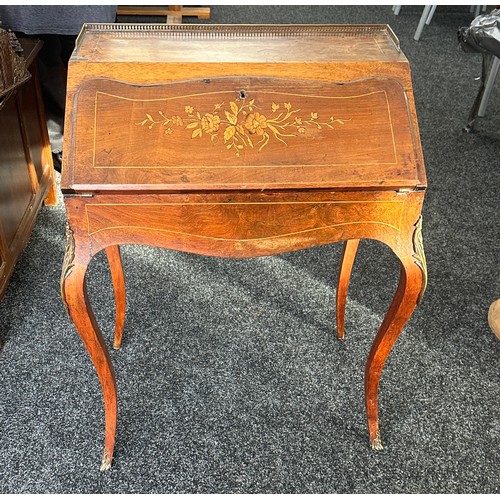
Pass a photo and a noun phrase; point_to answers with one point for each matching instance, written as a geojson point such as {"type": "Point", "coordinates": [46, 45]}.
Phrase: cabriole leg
{"type": "Point", "coordinates": [75, 298]}
{"type": "Point", "coordinates": [412, 284]}
{"type": "Point", "coordinates": [118, 278]}
{"type": "Point", "coordinates": [347, 260]}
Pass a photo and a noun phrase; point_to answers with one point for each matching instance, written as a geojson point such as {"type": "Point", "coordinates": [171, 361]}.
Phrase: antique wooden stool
{"type": "Point", "coordinates": [240, 141]}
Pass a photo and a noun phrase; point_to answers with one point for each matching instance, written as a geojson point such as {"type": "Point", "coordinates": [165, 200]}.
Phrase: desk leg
{"type": "Point", "coordinates": [347, 260]}
{"type": "Point", "coordinates": [410, 288]}
{"type": "Point", "coordinates": [118, 278]}
{"type": "Point", "coordinates": [75, 298]}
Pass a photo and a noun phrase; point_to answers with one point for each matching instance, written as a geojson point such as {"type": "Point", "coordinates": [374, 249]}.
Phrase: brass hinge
{"type": "Point", "coordinates": [78, 195]}
{"type": "Point", "coordinates": [411, 190]}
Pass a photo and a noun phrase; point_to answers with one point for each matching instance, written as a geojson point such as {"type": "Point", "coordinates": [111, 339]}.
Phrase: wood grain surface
{"type": "Point", "coordinates": [242, 133]}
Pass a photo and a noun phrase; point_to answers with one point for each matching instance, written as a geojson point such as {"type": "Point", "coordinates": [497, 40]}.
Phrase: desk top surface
{"type": "Point", "coordinates": [236, 43]}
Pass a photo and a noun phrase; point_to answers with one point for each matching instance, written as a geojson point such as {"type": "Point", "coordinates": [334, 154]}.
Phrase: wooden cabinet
{"type": "Point", "coordinates": [26, 169]}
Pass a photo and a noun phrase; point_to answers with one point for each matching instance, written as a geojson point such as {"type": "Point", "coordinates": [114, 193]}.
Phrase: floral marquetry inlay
{"type": "Point", "coordinates": [242, 125]}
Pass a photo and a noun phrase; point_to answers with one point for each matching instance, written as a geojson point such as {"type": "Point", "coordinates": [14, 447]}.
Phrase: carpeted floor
{"type": "Point", "coordinates": [230, 377]}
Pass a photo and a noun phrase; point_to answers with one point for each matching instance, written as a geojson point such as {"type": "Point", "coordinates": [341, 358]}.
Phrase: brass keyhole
{"type": "Point", "coordinates": [243, 94]}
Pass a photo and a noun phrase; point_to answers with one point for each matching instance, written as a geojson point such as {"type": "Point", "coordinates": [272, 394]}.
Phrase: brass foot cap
{"type": "Point", "coordinates": [106, 462]}
{"type": "Point", "coordinates": [376, 443]}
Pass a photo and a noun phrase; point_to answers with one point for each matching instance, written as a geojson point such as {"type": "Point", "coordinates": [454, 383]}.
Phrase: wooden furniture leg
{"type": "Point", "coordinates": [75, 298]}
{"type": "Point", "coordinates": [346, 262]}
{"type": "Point", "coordinates": [411, 287]}
{"type": "Point", "coordinates": [118, 278]}
{"type": "Point", "coordinates": [175, 18]}
{"type": "Point", "coordinates": [51, 197]}
{"type": "Point", "coordinates": [168, 11]}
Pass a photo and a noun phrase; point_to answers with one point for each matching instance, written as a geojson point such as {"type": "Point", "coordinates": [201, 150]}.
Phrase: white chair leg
{"type": "Point", "coordinates": [396, 9]}
{"type": "Point", "coordinates": [423, 19]}
{"type": "Point", "coordinates": [477, 9]}
{"type": "Point", "coordinates": [488, 85]}
{"type": "Point", "coordinates": [431, 13]}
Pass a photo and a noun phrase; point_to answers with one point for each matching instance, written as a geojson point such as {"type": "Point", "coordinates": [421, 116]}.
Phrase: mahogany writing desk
{"type": "Point", "coordinates": [240, 141]}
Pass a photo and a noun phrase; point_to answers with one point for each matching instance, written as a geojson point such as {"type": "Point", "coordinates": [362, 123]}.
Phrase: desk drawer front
{"type": "Point", "coordinates": [238, 225]}
{"type": "Point", "coordinates": [241, 132]}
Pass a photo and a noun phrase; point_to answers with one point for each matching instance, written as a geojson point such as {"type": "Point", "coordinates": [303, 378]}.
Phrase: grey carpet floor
{"type": "Point", "coordinates": [230, 377]}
